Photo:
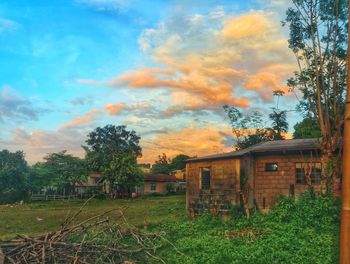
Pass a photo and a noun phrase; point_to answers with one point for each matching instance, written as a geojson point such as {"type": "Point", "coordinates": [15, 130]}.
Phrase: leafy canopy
{"type": "Point", "coordinates": [13, 176]}
{"type": "Point", "coordinates": [59, 171]}
{"type": "Point", "coordinates": [307, 128]}
{"type": "Point", "coordinates": [113, 151]}
{"type": "Point", "coordinates": [165, 165]}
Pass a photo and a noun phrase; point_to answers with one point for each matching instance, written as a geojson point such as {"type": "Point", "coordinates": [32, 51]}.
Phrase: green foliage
{"type": "Point", "coordinates": [162, 165]}
{"type": "Point", "coordinates": [123, 172]}
{"type": "Point", "coordinates": [60, 171]}
{"type": "Point", "coordinates": [165, 165]}
{"type": "Point", "coordinates": [13, 176]}
{"type": "Point", "coordinates": [307, 128]}
{"type": "Point", "coordinates": [105, 143]}
{"type": "Point", "coordinates": [318, 37]}
{"type": "Point", "coordinates": [279, 124]}
{"type": "Point", "coordinates": [113, 150]}
{"type": "Point", "coordinates": [178, 162]}
{"type": "Point", "coordinates": [295, 231]}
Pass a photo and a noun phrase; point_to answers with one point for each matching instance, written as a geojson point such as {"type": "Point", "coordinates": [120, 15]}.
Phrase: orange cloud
{"type": "Point", "coordinates": [79, 120]}
{"type": "Point", "coordinates": [88, 117]}
{"type": "Point", "coordinates": [114, 109]}
{"type": "Point", "coordinates": [212, 60]}
{"type": "Point", "coordinates": [190, 141]}
{"type": "Point", "coordinates": [265, 83]}
{"type": "Point", "coordinates": [246, 26]}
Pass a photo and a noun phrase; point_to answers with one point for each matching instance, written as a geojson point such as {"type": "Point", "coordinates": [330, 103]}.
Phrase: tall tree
{"type": "Point", "coordinates": [13, 174]}
{"type": "Point", "coordinates": [318, 38]}
{"type": "Point", "coordinates": [250, 129]}
{"type": "Point", "coordinates": [113, 151]}
{"type": "Point", "coordinates": [279, 125]}
{"type": "Point", "coordinates": [162, 165]}
{"type": "Point", "coordinates": [178, 162]}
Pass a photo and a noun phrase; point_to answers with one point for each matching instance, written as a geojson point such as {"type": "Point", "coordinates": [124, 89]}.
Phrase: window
{"type": "Point", "coordinates": [153, 186]}
{"type": "Point", "coordinates": [205, 178]}
{"type": "Point", "coordinates": [271, 166]}
{"type": "Point", "coordinates": [302, 169]}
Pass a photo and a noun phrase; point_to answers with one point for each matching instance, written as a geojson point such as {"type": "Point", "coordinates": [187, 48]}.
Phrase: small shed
{"type": "Point", "coordinates": [263, 172]}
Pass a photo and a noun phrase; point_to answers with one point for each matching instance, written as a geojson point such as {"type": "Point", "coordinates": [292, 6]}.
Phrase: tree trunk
{"type": "Point", "coordinates": [330, 164]}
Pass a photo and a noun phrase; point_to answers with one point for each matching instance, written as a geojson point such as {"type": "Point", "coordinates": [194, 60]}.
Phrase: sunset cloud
{"type": "Point", "coordinates": [251, 25]}
{"type": "Point", "coordinates": [114, 109]}
{"type": "Point", "coordinates": [191, 141]}
{"type": "Point", "coordinates": [212, 60]}
{"type": "Point", "coordinates": [88, 117]}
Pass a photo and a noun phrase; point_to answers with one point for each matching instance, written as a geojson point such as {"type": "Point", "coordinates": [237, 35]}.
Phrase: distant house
{"type": "Point", "coordinates": [258, 174]}
{"type": "Point", "coordinates": [92, 184]}
{"type": "Point", "coordinates": [157, 183]}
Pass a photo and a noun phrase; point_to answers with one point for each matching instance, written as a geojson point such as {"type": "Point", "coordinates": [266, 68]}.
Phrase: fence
{"type": "Point", "coordinates": [58, 197]}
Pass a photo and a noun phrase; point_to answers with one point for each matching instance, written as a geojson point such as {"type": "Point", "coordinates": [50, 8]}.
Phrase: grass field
{"type": "Point", "coordinates": [26, 218]}
{"type": "Point", "coordinates": [295, 231]}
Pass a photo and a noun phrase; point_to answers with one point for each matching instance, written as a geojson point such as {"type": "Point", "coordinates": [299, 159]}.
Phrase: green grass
{"type": "Point", "coordinates": [301, 231]}
{"type": "Point", "coordinates": [23, 219]}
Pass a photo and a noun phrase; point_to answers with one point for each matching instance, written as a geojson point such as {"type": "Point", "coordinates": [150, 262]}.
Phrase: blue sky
{"type": "Point", "coordinates": [163, 68]}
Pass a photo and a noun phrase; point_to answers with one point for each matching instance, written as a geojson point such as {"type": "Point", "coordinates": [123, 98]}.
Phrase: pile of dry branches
{"type": "Point", "coordinates": [94, 240]}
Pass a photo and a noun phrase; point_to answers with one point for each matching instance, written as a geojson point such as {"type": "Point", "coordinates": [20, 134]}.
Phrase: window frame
{"type": "Point", "coordinates": [271, 164]}
{"type": "Point", "coordinates": [207, 186]}
{"type": "Point", "coordinates": [316, 176]}
{"type": "Point", "coordinates": [153, 186]}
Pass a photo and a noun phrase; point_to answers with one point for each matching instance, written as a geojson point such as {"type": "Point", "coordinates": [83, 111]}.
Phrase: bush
{"type": "Point", "coordinates": [304, 230]}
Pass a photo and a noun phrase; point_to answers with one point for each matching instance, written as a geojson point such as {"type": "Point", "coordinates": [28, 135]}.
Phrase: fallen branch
{"type": "Point", "coordinates": [94, 240]}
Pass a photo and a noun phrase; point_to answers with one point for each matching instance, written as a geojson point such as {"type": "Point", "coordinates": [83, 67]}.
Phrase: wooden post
{"type": "Point", "coordinates": [345, 210]}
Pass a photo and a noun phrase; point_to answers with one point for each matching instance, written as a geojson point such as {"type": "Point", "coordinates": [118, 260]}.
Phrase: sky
{"type": "Point", "coordinates": [162, 68]}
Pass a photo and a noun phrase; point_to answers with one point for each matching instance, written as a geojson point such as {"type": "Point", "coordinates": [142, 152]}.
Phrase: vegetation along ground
{"type": "Point", "coordinates": [302, 231]}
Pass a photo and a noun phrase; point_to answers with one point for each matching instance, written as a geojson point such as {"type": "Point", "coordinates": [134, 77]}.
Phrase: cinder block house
{"type": "Point", "coordinates": [263, 172]}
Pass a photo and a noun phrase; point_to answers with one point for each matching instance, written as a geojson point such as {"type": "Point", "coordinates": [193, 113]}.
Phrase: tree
{"type": "Point", "coordinates": [307, 128]}
{"type": "Point", "coordinates": [123, 173]}
{"type": "Point", "coordinates": [113, 151]}
{"type": "Point", "coordinates": [13, 175]}
{"type": "Point", "coordinates": [162, 165]}
{"type": "Point", "coordinates": [279, 124]}
{"type": "Point", "coordinates": [249, 129]}
{"type": "Point", "coordinates": [178, 162]}
{"type": "Point", "coordinates": [40, 177]}
{"type": "Point", "coordinates": [318, 38]}
{"type": "Point", "coordinates": [60, 171]}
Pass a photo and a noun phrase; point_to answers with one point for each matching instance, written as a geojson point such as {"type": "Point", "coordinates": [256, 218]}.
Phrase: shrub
{"type": "Point", "coordinates": [304, 230]}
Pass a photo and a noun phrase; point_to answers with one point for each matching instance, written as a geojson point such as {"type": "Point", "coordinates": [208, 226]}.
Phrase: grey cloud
{"type": "Point", "coordinates": [81, 100]}
{"type": "Point", "coordinates": [17, 107]}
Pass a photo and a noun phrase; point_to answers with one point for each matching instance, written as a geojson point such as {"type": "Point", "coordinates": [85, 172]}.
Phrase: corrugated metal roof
{"type": "Point", "coordinates": [268, 146]}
